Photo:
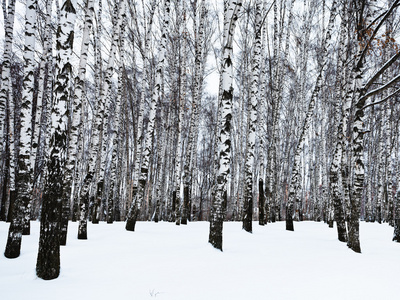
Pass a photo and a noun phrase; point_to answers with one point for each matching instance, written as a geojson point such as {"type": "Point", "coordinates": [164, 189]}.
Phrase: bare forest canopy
{"type": "Point", "coordinates": [193, 110]}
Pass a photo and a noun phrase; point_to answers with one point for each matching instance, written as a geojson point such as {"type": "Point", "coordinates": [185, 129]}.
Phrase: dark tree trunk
{"type": "Point", "coordinates": [289, 220]}
{"type": "Point", "coordinates": [82, 228]}
{"type": "Point", "coordinates": [3, 216]}
{"type": "Point", "coordinates": [13, 247]}
{"type": "Point", "coordinates": [185, 208]}
{"type": "Point", "coordinates": [131, 219]}
{"type": "Point", "coordinates": [48, 260]}
{"type": "Point", "coordinates": [261, 203]}
{"type": "Point", "coordinates": [11, 206]}
{"type": "Point", "coordinates": [65, 212]}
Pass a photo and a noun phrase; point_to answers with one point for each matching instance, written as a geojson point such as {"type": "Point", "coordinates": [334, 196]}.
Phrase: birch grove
{"type": "Point", "coordinates": [181, 111]}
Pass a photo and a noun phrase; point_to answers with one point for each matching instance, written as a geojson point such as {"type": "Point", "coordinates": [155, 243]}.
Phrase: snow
{"type": "Point", "coordinates": [165, 261]}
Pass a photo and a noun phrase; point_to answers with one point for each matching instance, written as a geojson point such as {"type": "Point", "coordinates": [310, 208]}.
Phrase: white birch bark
{"type": "Point", "coordinates": [116, 128]}
{"type": "Point", "coordinates": [5, 84]}
{"type": "Point", "coordinates": [41, 88]}
{"type": "Point", "coordinates": [252, 121]}
{"type": "Point", "coordinates": [21, 215]}
{"type": "Point", "coordinates": [179, 208]}
{"type": "Point", "coordinates": [336, 165]}
{"type": "Point", "coordinates": [48, 260]}
{"type": "Point", "coordinates": [231, 10]}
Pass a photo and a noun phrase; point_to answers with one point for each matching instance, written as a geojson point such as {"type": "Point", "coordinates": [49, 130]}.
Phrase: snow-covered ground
{"type": "Point", "coordinates": [165, 261]}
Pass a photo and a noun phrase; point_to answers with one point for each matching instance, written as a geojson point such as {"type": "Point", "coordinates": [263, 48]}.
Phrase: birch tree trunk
{"type": "Point", "coordinates": [252, 122]}
{"type": "Point", "coordinates": [48, 260]}
{"type": "Point", "coordinates": [20, 220]}
{"type": "Point", "coordinates": [179, 207]}
{"type": "Point", "coordinates": [335, 168]}
{"type": "Point", "coordinates": [6, 102]}
{"type": "Point", "coordinates": [116, 129]}
{"type": "Point", "coordinates": [231, 10]}
{"type": "Point", "coordinates": [5, 84]}
{"type": "Point", "coordinates": [361, 94]}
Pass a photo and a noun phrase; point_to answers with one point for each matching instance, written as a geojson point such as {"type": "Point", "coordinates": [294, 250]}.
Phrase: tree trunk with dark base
{"type": "Point", "coordinates": [185, 207]}
{"type": "Point", "coordinates": [13, 246]}
{"type": "Point", "coordinates": [396, 234]}
{"type": "Point", "coordinates": [261, 203]}
{"type": "Point", "coordinates": [48, 260]}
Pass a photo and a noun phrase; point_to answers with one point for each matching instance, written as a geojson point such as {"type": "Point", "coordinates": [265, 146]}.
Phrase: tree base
{"type": "Point", "coordinates": [82, 231]}
{"type": "Point", "coordinates": [26, 230]}
{"type": "Point", "coordinates": [130, 225]}
{"type": "Point", "coordinates": [289, 225]}
{"type": "Point", "coordinates": [396, 235]}
{"type": "Point", "coordinates": [13, 248]}
{"type": "Point", "coordinates": [215, 237]}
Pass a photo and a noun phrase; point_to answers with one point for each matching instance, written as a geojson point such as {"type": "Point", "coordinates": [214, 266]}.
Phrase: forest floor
{"type": "Point", "coordinates": [165, 261]}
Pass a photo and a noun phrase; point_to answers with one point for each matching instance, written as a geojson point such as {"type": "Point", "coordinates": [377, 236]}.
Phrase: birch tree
{"type": "Point", "coordinates": [20, 219]}
{"type": "Point", "coordinates": [8, 17]}
{"type": "Point", "coordinates": [231, 10]}
{"type": "Point", "coordinates": [337, 158]}
{"type": "Point", "coordinates": [361, 93]}
{"type": "Point", "coordinates": [48, 260]}
{"type": "Point", "coordinates": [252, 121]}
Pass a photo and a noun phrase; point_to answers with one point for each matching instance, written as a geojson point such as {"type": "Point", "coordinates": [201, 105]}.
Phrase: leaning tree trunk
{"type": "Point", "coordinates": [20, 219]}
{"type": "Point", "coordinates": [48, 260]}
{"type": "Point", "coordinates": [231, 10]}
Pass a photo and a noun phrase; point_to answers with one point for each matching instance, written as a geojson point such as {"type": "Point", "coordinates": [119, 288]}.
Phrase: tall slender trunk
{"type": "Point", "coordinates": [180, 209]}
{"type": "Point", "coordinates": [336, 165]}
{"type": "Point", "coordinates": [252, 122]}
{"type": "Point", "coordinates": [5, 84]}
{"type": "Point", "coordinates": [20, 220]}
{"type": "Point", "coordinates": [116, 129]}
{"type": "Point", "coordinates": [48, 260]}
{"type": "Point", "coordinates": [231, 10]}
